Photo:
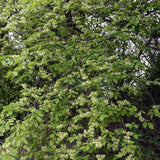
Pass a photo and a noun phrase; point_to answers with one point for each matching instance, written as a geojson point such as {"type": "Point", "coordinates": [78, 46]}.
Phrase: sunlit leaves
{"type": "Point", "coordinates": [76, 79]}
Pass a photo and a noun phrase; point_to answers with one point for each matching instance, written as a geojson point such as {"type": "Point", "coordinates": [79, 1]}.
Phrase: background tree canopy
{"type": "Point", "coordinates": [79, 79]}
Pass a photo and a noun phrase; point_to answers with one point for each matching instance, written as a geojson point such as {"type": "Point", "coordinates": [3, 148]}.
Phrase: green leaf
{"type": "Point", "coordinates": [134, 108]}
{"type": "Point", "coordinates": [85, 148]}
{"type": "Point", "coordinates": [111, 94]}
{"type": "Point", "coordinates": [2, 130]}
{"type": "Point", "coordinates": [115, 81]}
{"type": "Point", "coordinates": [24, 140]}
{"type": "Point", "coordinates": [144, 124]}
{"type": "Point", "coordinates": [150, 125]}
{"type": "Point", "coordinates": [14, 74]}
{"type": "Point", "coordinates": [102, 117]}
{"type": "Point", "coordinates": [157, 113]}
{"type": "Point", "coordinates": [71, 139]}
{"type": "Point", "coordinates": [38, 118]}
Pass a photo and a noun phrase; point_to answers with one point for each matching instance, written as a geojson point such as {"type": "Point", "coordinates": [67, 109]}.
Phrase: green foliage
{"type": "Point", "coordinates": [79, 79]}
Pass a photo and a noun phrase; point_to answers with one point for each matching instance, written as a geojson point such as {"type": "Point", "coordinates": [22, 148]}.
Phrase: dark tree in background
{"type": "Point", "coordinates": [79, 79]}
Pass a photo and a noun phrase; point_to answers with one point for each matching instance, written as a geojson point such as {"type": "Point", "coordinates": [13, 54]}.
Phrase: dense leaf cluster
{"type": "Point", "coordinates": [79, 79]}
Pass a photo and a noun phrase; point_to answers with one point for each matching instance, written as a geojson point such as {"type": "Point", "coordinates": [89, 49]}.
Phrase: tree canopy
{"type": "Point", "coordinates": [79, 79]}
